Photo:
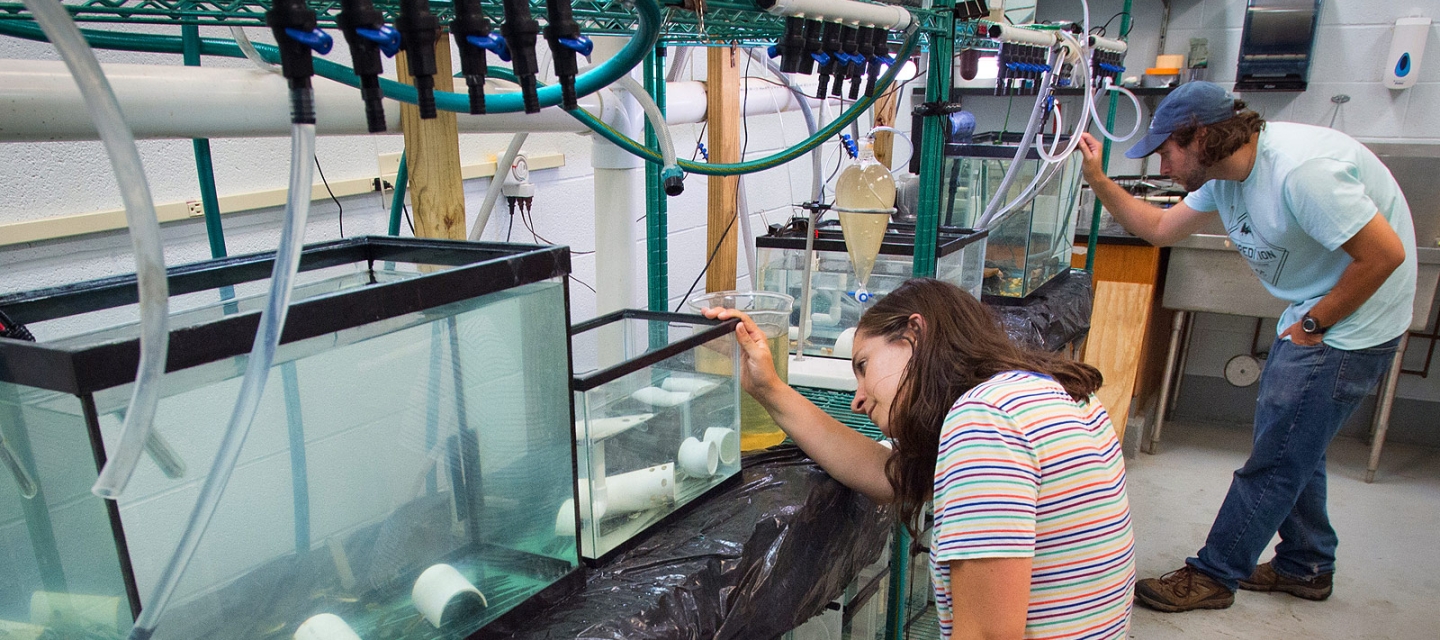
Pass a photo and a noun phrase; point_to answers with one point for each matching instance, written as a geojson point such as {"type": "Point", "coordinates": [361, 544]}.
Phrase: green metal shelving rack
{"type": "Point", "coordinates": [725, 22]}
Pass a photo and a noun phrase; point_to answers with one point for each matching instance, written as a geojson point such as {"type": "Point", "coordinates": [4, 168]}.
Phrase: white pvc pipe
{"type": "Point", "coordinates": [1108, 44]}
{"type": "Point", "coordinates": [890, 17]}
{"type": "Point", "coordinates": [1009, 33]}
{"type": "Point", "coordinates": [41, 103]}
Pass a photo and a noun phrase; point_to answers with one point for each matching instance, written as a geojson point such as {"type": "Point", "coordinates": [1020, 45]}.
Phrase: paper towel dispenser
{"type": "Point", "coordinates": [1277, 44]}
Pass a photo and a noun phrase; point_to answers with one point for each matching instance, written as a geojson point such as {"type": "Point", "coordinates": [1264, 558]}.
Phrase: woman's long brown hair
{"type": "Point", "coordinates": [959, 346]}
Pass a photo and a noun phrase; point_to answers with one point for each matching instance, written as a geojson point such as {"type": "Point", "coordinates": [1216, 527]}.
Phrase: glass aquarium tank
{"type": "Point", "coordinates": [1030, 245]}
{"type": "Point", "coordinates": [657, 407]}
{"type": "Point", "coordinates": [401, 478]}
{"type": "Point", "coordinates": [835, 300]}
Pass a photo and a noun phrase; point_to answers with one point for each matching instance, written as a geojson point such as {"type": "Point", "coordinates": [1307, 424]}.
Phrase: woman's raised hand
{"type": "Point", "coordinates": [757, 368]}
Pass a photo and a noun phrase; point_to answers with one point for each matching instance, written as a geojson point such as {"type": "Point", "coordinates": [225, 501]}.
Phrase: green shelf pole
{"type": "Point", "coordinates": [895, 606]}
{"type": "Point", "coordinates": [1092, 241]}
{"type": "Point", "coordinates": [397, 202]}
{"type": "Point", "coordinates": [932, 143]}
{"type": "Point", "coordinates": [204, 167]}
{"type": "Point", "coordinates": [656, 225]}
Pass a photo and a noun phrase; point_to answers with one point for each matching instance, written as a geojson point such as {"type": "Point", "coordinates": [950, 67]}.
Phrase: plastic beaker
{"type": "Point", "coordinates": [771, 312]}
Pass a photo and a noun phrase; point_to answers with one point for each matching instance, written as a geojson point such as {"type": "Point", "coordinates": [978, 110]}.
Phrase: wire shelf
{"type": "Point", "coordinates": [725, 21]}
{"type": "Point", "coordinates": [837, 404]}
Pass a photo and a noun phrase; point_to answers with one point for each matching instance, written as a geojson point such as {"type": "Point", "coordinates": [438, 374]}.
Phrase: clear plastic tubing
{"type": "Point", "coordinates": [154, 291]}
{"type": "Point", "coordinates": [811, 125]}
{"type": "Point", "coordinates": [1031, 128]}
{"type": "Point", "coordinates": [257, 370]}
{"type": "Point", "coordinates": [657, 120]}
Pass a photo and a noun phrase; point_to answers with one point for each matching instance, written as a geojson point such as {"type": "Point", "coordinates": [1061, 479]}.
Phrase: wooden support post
{"type": "Point", "coordinates": [432, 153]}
{"type": "Point", "coordinates": [885, 108]}
{"type": "Point", "coordinates": [722, 91]}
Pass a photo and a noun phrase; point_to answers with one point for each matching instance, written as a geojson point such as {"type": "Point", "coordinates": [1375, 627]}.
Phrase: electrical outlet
{"type": "Point", "coordinates": [196, 208]}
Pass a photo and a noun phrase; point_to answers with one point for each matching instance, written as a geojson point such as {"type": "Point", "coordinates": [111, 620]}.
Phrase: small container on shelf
{"type": "Point", "coordinates": [657, 421]}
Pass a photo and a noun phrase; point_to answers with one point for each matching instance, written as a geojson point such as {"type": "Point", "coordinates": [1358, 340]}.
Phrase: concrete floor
{"type": "Point", "coordinates": [1387, 583]}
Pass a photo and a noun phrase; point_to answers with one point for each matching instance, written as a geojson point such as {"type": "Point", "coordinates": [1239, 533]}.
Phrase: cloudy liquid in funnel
{"type": "Point", "coordinates": [864, 196]}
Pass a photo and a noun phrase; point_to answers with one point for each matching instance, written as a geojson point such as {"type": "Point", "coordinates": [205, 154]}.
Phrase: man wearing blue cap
{"type": "Point", "coordinates": [1324, 225]}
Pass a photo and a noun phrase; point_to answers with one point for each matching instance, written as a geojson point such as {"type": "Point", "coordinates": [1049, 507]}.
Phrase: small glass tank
{"type": "Point", "coordinates": [400, 480]}
{"type": "Point", "coordinates": [835, 301]}
{"type": "Point", "coordinates": [1031, 244]}
{"type": "Point", "coordinates": [657, 407]}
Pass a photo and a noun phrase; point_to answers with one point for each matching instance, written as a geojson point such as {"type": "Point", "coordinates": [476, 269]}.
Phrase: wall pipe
{"type": "Point", "coordinates": [888, 17]}
{"type": "Point", "coordinates": [168, 44]}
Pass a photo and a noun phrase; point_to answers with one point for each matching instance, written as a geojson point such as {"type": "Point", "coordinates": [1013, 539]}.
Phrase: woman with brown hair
{"type": "Point", "coordinates": [1032, 533]}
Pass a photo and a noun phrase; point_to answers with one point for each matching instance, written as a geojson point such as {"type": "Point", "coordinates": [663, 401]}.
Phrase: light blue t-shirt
{"type": "Point", "coordinates": [1311, 190]}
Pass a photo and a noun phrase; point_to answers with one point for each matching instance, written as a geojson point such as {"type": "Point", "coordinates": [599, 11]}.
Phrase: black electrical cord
{"type": "Point", "coordinates": [1105, 26]}
{"type": "Point", "coordinates": [338, 206]}
{"type": "Point", "coordinates": [408, 221]}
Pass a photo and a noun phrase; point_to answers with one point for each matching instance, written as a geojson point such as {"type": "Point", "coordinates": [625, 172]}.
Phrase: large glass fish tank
{"type": "Point", "coordinates": [1030, 245]}
{"type": "Point", "coordinates": [657, 407]}
{"type": "Point", "coordinates": [835, 300]}
{"type": "Point", "coordinates": [414, 442]}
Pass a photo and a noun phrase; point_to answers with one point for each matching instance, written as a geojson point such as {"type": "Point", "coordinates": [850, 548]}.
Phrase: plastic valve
{"type": "Point", "coordinates": [386, 38]}
{"type": "Point", "coordinates": [318, 41]}
{"type": "Point", "coordinates": [581, 45]}
{"type": "Point", "coordinates": [494, 43]}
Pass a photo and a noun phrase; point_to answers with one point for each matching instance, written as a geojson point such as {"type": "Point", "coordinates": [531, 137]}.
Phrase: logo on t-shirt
{"type": "Point", "coordinates": [1266, 260]}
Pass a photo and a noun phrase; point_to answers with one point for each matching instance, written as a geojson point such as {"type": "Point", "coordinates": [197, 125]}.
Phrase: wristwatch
{"type": "Point", "coordinates": [1310, 325]}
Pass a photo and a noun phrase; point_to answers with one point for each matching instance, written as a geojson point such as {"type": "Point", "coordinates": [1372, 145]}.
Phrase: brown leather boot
{"type": "Point", "coordinates": [1184, 589]}
{"type": "Point", "coordinates": [1266, 578]}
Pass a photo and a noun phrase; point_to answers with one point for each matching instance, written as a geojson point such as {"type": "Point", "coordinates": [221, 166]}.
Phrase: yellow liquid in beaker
{"type": "Point", "coordinates": [757, 429]}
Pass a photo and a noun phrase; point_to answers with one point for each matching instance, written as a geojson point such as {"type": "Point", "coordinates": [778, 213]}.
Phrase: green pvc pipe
{"type": "Point", "coordinates": [607, 72]}
{"type": "Point", "coordinates": [397, 200]}
{"type": "Point", "coordinates": [1092, 242]}
{"type": "Point", "coordinates": [204, 166]}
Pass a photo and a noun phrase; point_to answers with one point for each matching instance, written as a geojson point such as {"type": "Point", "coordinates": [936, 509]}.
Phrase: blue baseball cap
{"type": "Point", "coordinates": [1193, 102]}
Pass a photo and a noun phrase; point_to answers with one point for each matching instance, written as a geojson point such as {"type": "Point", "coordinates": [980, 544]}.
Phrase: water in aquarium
{"type": "Point", "coordinates": [377, 453]}
{"type": "Point", "coordinates": [656, 438]}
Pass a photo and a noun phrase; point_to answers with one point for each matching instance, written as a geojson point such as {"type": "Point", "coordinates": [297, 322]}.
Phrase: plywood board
{"type": "Point", "coordinates": [722, 96]}
{"type": "Point", "coordinates": [432, 151]}
{"type": "Point", "coordinates": [1117, 337]}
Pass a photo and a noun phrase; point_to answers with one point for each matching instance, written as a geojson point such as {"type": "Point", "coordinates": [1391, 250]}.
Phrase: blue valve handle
{"type": "Point", "coordinates": [386, 37]}
{"type": "Point", "coordinates": [580, 44]}
{"type": "Point", "coordinates": [317, 40]}
{"type": "Point", "coordinates": [773, 51]}
{"type": "Point", "coordinates": [850, 146]}
{"type": "Point", "coordinates": [821, 57]}
{"type": "Point", "coordinates": [494, 43]}
{"type": "Point", "coordinates": [704, 153]}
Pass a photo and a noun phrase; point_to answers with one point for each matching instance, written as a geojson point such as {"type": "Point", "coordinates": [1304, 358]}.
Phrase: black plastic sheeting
{"type": "Point", "coordinates": [1055, 315]}
{"type": "Point", "coordinates": [752, 561]}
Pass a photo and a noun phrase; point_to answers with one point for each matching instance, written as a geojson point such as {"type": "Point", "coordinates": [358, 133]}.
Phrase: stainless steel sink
{"type": "Point", "coordinates": [1207, 274]}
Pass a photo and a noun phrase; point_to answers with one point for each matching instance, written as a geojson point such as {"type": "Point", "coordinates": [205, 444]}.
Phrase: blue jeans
{"type": "Point", "coordinates": [1306, 394]}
